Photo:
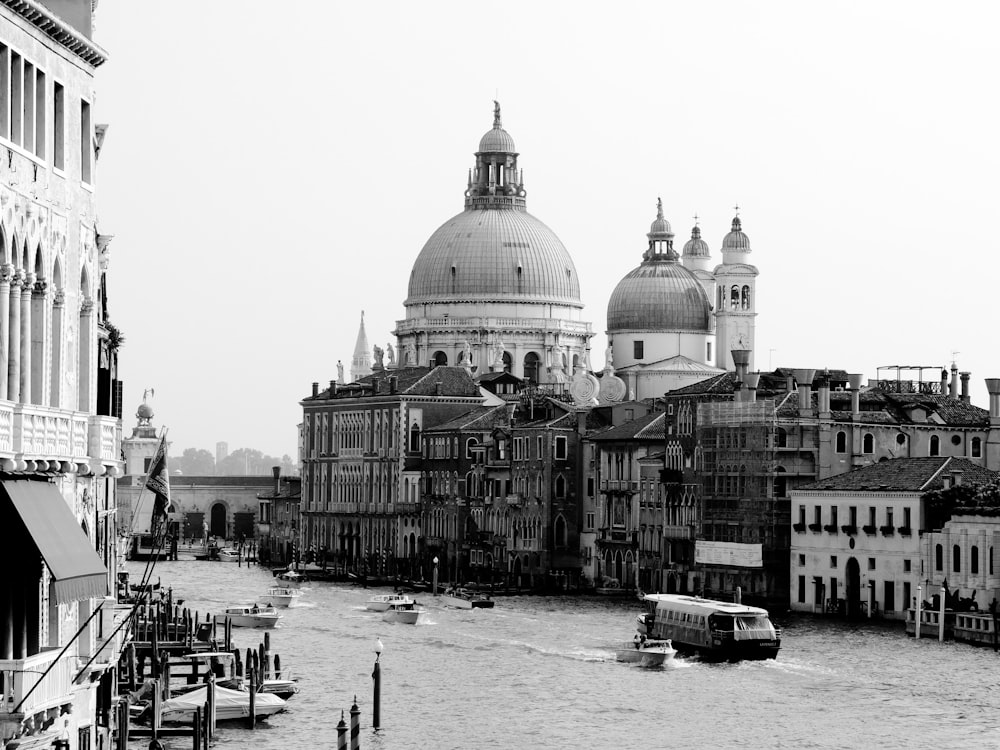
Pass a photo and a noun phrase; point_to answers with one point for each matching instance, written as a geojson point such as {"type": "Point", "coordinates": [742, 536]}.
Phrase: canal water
{"type": "Point", "coordinates": [540, 672]}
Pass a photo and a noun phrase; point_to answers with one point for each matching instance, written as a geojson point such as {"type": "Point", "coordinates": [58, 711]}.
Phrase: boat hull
{"type": "Point", "coordinates": [383, 603]}
{"type": "Point", "coordinates": [455, 601]}
{"type": "Point", "coordinates": [404, 616]}
{"type": "Point", "coordinates": [279, 597]}
{"type": "Point", "coordinates": [644, 657]}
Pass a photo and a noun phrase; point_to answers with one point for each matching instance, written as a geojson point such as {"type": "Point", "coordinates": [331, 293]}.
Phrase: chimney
{"type": "Point", "coordinates": [741, 358]}
{"type": "Point", "coordinates": [956, 477]}
{"type": "Point", "coordinates": [752, 380]}
{"type": "Point", "coordinates": [804, 378]}
{"type": "Point", "coordinates": [393, 381]}
{"type": "Point", "coordinates": [954, 381]}
{"type": "Point", "coordinates": [823, 402]}
{"type": "Point", "coordinates": [789, 383]}
{"type": "Point", "coordinates": [333, 388]}
{"type": "Point", "coordinates": [276, 470]}
{"type": "Point", "coordinates": [315, 389]}
{"type": "Point", "coordinates": [965, 385]}
{"type": "Point", "coordinates": [854, 380]}
{"type": "Point", "coordinates": [437, 389]}
{"type": "Point", "coordinates": [944, 382]}
{"type": "Point", "coordinates": [993, 386]}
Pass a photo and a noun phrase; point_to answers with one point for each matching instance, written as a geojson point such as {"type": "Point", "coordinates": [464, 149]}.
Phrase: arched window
{"type": "Point", "coordinates": [935, 445]}
{"type": "Point", "coordinates": [734, 298]}
{"type": "Point", "coordinates": [841, 442]}
{"type": "Point", "coordinates": [938, 557]}
{"type": "Point", "coordinates": [530, 367]}
{"type": "Point", "coordinates": [506, 361]}
{"type": "Point", "coordinates": [868, 443]}
{"type": "Point", "coordinates": [782, 438]}
{"type": "Point", "coordinates": [560, 532]}
{"type": "Point", "coordinates": [974, 560]}
{"type": "Point", "coordinates": [440, 359]}
{"type": "Point", "coordinates": [977, 447]}
{"type": "Point", "coordinates": [746, 297]}
{"type": "Point", "coordinates": [415, 439]}
{"type": "Point", "coordinates": [560, 486]}
{"type": "Point", "coordinates": [469, 445]}
{"type": "Point", "coordinates": [956, 559]}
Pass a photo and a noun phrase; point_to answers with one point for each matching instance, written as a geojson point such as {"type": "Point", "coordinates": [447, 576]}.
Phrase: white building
{"type": "Point", "coordinates": [856, 545]}
{"type": "Point", "coordinates": [493, 286]}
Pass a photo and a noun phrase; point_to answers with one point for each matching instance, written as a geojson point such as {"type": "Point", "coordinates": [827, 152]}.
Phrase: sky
{"type": "Point", "coordinates": [272, 169]}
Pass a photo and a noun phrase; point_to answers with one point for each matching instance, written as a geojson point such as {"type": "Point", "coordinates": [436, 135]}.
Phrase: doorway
{"type": "Point", "coordinates": [218, 527]}
{"type": "Point", "coordinates": [853, 588]}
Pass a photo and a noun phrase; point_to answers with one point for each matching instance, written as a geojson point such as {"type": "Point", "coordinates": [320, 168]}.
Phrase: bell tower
{"type": "Point", "coordinates": [736, 298]}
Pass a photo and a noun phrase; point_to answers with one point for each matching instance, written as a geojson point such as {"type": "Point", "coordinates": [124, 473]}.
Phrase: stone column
{"type": "Point", "coordinates": [14, 340]}
{"type": "Point", "coordinates": [26, 294]}
{"type": "Point", "coordinates": [38, 346]}
{"type": "Point", "coordinates": [58, 305]}
{"type": "Point", "coordinates": [6, 274]}
{"type": "Point", "coordinates": [85, 356]}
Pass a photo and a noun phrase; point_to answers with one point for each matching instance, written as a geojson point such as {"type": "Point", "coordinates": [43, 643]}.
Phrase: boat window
{"type": "Point", "coordinates": [720, 622]}
{"type": "Point", "coordinates": [753, 622]}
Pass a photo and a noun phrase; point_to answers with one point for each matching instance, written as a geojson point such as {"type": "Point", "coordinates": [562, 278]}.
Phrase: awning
{"type": "Point", "coordinates": [77, 570]}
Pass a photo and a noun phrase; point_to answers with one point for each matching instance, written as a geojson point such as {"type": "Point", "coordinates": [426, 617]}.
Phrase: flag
{"type": "Point", "coordinates": [158, 482]}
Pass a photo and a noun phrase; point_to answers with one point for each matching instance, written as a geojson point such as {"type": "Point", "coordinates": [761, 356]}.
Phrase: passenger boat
{"type": "Point", "coordinates": [646, 653]}
{"type": "Point", "coordinates": [255, 616]}
{"type": "Point", "coordinates": [229, 704]}
{"type": "Point", "coordinates": [715, 630]}
{"type": "Point", "coordinates": [465, 599]}
{"type": "Point", "coordinates": [282, 596]}
{"type": "Point", "coordinates": [405, 613]}
{"type": "Point", "coordinates": [382, 602]}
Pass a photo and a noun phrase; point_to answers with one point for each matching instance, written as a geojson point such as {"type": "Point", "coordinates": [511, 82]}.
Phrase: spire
{"type": "Point", "coordinates": [361, 363]}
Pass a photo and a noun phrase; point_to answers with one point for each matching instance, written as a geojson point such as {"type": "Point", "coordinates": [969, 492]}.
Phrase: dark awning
{"type": "Point", "coordinates": [77, 570]}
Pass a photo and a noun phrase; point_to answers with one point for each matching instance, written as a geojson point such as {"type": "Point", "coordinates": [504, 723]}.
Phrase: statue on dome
{"type": "Point", "coordinates": [391, 354]}
{"type": "Point", "coordinates": [377, 354]}
{"type": "Point", "coordinates": [609, 358]}
{"type": "Point", "coordinates": [410, 358]}
{"type": "Point", "coordinates": [340, 372]}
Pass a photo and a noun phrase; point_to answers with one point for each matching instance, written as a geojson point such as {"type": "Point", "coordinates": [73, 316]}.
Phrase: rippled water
{"type": "Point", "coordinates": [540, 672]}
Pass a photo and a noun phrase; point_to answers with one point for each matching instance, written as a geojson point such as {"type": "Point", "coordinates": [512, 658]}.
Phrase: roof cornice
{"type": "Point", "coordinates": [58, 30]}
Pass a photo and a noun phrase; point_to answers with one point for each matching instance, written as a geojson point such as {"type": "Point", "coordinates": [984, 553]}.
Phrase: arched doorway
{"type": "Point", "coordinates": [218, 523]}
{"type": "Point", "coordinates": [852, 588]}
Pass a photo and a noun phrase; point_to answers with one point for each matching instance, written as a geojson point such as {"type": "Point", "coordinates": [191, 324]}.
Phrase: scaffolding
{"type": "Point", "coordinates": [737, 441]}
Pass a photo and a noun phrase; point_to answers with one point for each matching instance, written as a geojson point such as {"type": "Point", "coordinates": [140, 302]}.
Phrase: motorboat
{"type": "Point", "coordinates": [280, 687]}
{"type": "Point", "coordinates": [382, 602]}
{"type": "Point", "coordinates": [282, 596]}
{"type": "Point", "coordinates": [251, 616]}
{"type": "Point", "coordinates": [465, 599]}
{"type": "Point", "coordinates": [646, 653]}
{"type": "Point", "coordinates": [404, 613]}
{"type": "Point", "coordinates": [228, 554]}
{"type": "Point", "coordinates": [229, 705]}
{"type": "Point", "coordinates": [293, 577]}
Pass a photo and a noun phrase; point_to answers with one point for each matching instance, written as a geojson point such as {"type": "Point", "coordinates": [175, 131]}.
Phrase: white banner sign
{"type": "Point", "coordinates": [729, 553]}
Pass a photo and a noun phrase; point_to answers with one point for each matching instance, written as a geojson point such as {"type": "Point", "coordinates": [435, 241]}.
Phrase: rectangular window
{"type": "Point", "coordinates": [590, 522]}
{"type": "Point", "coordinates": [28, 103]}
{"type": "Point", "coordinates": [871, 516]}
{"type": "Point", "coordinates": [539, 447]}
{"type": "Point", "coordinates": [906, 518]}
{"type": "Point", "coordinates": [833, 588]}
{"type": "Point", "coordinates": [39, 114]}
{"type": "Point", "coordinates": [833, 516]}
{"type": "Point", "coordinates": [802, 515]}
{"type": "Point", "coordinates": [637, 349]}
{"type": "Point", "coordinates": [833, 561]}
{"type": "Point", "coordinates": [560, 448]}
{"type": "Point", "coordinates": [907, 565]}
{"type": "Point", "coordinates": [590, 486]}
{"type": "Point", "coordinates": [86, 143]}
{"type": "Point", "coordinates": [817, 515]}
{"type": "Point", "coordinates": [871, 563]}
{"type": "Point", "coordinates": [708, 352]}
{"type": "Point", "coordinates": [16, 82]}
{"type": "Point", "coordinates": [854, 516]}
{"type": "Point", "coordinates": [888, 517]}
{"type": "Point", "coordinates": [802, 561]}
{"type": "Point", "coordinates": [4, 91]}
{"type": "Point", "coordinates": [802, 589]}
{"type": "Point", "coordinates": [906, 594]}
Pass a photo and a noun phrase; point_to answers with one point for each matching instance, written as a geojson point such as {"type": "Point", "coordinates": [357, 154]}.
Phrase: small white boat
{"type": "Point", "coordinates": [465, 599]}
{"type": "Point", "coordinates": [229, 704]}
{"type": "Point", "coordinates": [405, 613]}
{"type": "Point", "coordinates": [381, 602]}
{"type": "Point", "coordinates": [251, 616]}
{"type": "Point", "coordinates": [280, 687]}
{"type": "Point", "coordinates": [645, 653]}
{"type": "Point", "coordinates": [282, 596]}
{"type": "Point", "coordinates": [228, 555]}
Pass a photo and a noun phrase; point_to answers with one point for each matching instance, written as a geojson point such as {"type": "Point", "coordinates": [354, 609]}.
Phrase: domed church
{"type": "Point", "coordinates": [494, 289]}
{"type": "Point", "coordinates": [664, 332]}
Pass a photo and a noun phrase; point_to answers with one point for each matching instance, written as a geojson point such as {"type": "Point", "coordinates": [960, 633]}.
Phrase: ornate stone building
{"type": "Point", "coordinates": [493, 286]}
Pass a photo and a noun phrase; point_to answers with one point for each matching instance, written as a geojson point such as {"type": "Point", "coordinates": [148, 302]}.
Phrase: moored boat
{"type": "Point", "coordinates": [715, 630]}
{"type": "Point", "coordinates": [293, 577]}
{"type": "Point", "coordinates": [282, 596]}
{"type": "Point", "coordinates": [382, 602]}
{"type": "Point", "coordinates": [228, 555]}
{"type": "Point", "coordinates": [404, 613]}
{"type": "Point", "coordinates": [229, 704]}
{"type": "Point", "coordinates": [465, 599]}
{"type": "Point", "coordinates": [251, 616]}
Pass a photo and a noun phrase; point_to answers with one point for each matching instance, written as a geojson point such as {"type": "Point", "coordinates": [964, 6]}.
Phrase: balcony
{"type": "Point", "coordinates": [830, 527]}
{"type": "Point", "coordinates": [905, 531]}
{"type": "Point", "coordinates": [619, 485]}
{"type": "Point", "coordinates": [799, 527]}
{"type": "Point", "coordinates": [514, 498]}
{"type": "Point", "coordinates": [869, 530]}
{"type": "Point", "coordinates": [29, 432]}
{"type": "Point", "coordinates": [849, 528]}
{"type": "Point", "coordinates": [887, 530]}
{"type": "Point", "coordinates": [677, 532]}
{"type": "Point", "coordinates": [815, 527]}
{"type": "Point", "coordinates": [54, 690]}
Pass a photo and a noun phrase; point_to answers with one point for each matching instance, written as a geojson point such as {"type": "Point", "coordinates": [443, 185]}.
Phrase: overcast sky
{"type": "Point", "coordinates": [273, 168]}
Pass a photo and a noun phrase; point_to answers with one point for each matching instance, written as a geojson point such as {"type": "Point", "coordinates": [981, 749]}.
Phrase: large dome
{"type": "Point", "coordinates": [494, 254]}
{"type": "Point", "coordinates": [659, 296]}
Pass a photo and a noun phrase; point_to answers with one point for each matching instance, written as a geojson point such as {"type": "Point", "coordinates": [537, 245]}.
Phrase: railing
{"type": "Point", "coordinates": [54, 690]}
{"type": "Point", "coordinates": [677, 532]}
{"type": "Point", "coordinates": [105, 438]}
{"type": "Point", "coordinates": [619, 485]}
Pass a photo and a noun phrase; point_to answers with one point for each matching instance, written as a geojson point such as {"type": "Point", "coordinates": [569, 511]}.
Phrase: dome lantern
{"type": "Point", "coordinates": [661, 238]}
{"type": "Point", "coordinates": [495, 181]}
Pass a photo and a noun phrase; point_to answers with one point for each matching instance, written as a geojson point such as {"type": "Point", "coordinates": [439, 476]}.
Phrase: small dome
{"type": "Point", "coordinates": [497, 140]}
{"type": "Point", "coordinates": [736, 239]}
{"type": "Point", "coordinates": [696, 246]}
{"type": "Point", "coordinates": [657, 297]}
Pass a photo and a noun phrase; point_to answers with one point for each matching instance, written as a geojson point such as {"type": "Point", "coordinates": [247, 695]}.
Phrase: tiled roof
{"type": "Point", "coordinates": [481, 418]}
{"type": "Point", "coordinates": [454, 381]}
{"type": "Point", "coordinates": [633, 430]}
{"type": "Point", "coordinates": [904, 475]}
{"type": "Point", "coordinates": [410, 381]}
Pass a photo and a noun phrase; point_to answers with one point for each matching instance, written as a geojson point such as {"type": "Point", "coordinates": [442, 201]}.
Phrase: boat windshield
{"type": "Point", "coordinates": [753, 626]}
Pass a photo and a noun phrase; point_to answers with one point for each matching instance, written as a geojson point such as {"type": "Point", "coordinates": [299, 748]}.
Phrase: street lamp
{"type": "Point", "coordinates": [435, 583]}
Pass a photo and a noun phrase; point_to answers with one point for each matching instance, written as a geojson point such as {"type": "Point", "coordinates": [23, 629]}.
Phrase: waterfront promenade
{"type": "Point", "coordinates": [540, 672]}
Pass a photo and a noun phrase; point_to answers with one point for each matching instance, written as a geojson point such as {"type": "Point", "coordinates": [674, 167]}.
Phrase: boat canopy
{"type": "Point", "coordinates": [697, 605]}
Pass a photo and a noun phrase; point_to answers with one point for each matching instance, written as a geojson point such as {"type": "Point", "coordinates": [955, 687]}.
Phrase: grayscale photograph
{"type": "Point", "coordinates": [450, 376]}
